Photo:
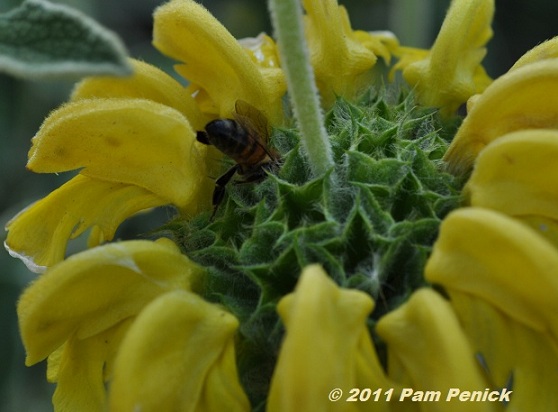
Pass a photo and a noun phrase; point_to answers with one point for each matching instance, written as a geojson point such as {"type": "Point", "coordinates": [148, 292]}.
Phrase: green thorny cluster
{"type": "Point", "coordinates": [370, 222]}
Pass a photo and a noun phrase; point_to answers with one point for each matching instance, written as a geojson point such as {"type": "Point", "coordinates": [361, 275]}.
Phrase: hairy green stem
{"type": "Point", "coordinates": [286, 16]}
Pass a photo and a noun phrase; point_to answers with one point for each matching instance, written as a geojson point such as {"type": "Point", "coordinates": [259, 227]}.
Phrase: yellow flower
{"type": "Point", "coordinates": [178, 355]}
{"type": "Point", "coordinates": [338, 55]}
{"type": "Point", "coordinates": [516, 357]}
{"type": "Point", "coordinates": [126, 309]}
{"type": "Point", "coordinates": [450, 72]}
{"type": "Point", "coordinates": [516, 175]}
{"type": "Point", "coordinates": [327, 346]}
{"type": "Point", "coordinates": [429, 351]}
{"type": "Point", "coordinates": [132, 141]}
{"type": "Point", "coordinates": [523, 98]}
{"type": "Point", "coordinates": [221, 70]}
{"type": "Point", "coordinates": [544, 51]}
{"type": "Point", "coordinates": [505, 299]}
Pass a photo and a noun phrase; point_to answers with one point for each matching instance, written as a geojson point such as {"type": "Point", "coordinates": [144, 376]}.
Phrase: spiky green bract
{"type": "Point", "coordinates": [371, 223]}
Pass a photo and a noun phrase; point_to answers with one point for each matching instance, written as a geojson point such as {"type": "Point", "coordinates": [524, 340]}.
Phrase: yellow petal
{"type": "Point", "coordinates": [547, 228]}
{"type": "Point", "coordinates": [496, 258]}
{"type": "Point", "coordinates": [178, 356]}
{"type": "Point", "coordinates": [327, 346]}
{"type": "Point", "coordinates": [147, 82]}
{"type": "Point", "coordinates": [96, 289]}
{"type": "Point", "coordinates": [426, 343]}
{"type": "Point", "coordinates": [515, 356]}
{"type": "Point", "coordinates": [262, 49]}
{"type": "Point", "coordinates": [517, 174]}
{"type": "Point", "coordinates": [214, 60]}
{"type": "Point", "coordinates": [545, 50]}
{"type": "Point", "coordinates": [131, 141]}
{"type": "Point", "coordinates": [407, 56]}
{"type": "Point", "coordinates": [381, 43]}
{"type": "Point", "coordinates": [82, 370]}
{"type": "Point", "coordinates": [524, 98]}
{"type": "Point", "coordinates": [40, 233]}
{"type": "Point", "coordinates": [452, 72]}
{"type": "Point", "coordinates": [336, 54]}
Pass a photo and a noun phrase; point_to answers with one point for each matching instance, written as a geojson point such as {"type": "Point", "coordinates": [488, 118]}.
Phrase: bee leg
{"type": "Point", "coordinates": [254, 177]}
{"type": "Point", "coordinates": [220, 185]}
{"type": "Point", "coordinates": [202, 138]}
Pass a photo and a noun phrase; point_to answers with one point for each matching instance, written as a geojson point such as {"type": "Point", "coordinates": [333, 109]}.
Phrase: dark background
{"type": "Point", "coordinates": [519, 25]}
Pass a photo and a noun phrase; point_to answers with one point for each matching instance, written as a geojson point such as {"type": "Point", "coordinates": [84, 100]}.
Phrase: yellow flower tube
{"type": "Point", "coordinates": [544, 51]}
{"type": "Point", "coordinates": [521, 361]}
{"type": "Point", "coordinates": [40, 233]}
{"type": "Point", "coordinates": [517, 174]}
{"type": "Point", "coordinates": [336, 53]}
{"type": "Point", "coordinates": [502, 261]}
{"type": "Point", "coordinates": [96, 289]}
{"type": "Point", "coordinates": [131, 141]}
{"type": "Point", "coordinates": [214, 60]}
{"type": "Point", "coordinates": [429, 351]}
{"type": "Point", "coordinates": [178, 356]}
{"type": "Point", "coordinates": [327, 346]}
{"type": "Point", "coordinates": [524, 98]}
{"type": "Point", "coordinates": [451, 72]}
{"type": "Point", "coordinates": [78, 312]}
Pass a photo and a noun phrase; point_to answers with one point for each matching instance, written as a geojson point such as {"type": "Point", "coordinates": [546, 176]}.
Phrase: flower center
{"type": "Point", "coordinates": [370, 222]}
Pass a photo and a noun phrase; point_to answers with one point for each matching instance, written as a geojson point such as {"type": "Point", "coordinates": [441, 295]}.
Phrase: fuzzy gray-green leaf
{"type": "Point", "coordinates": [44, 40]}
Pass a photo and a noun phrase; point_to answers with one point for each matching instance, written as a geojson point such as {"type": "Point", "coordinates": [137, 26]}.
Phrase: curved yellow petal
{"type": "Point", "coordinates": [452, 72]}
{"type": "Point", "coordinates": [214, 60]}
{"type": "Point", "coordinates": [407, 56]}
{"type": "Point", "coordinates": [498, 259]}
{"type": "Point", "coordinates": [427, 345]}
{"type": "Point", "coordinates": [147, 82]}
{"type": "Point", "coordinates": [40, 233]}
{"type": "Point", "coordinates": [524, 98]}
{"type": "Point", "coordinates": [336, 53]}
{"type": "Point", "coordinates": [178, 356]}
{"type": "Point", "coordinates": [517, 174]}
{"type": "Point", "coordinates": [381, 43]}
{"type": "Point", "coordinates": [96, 289]}
{"type": "Point", "coordinates": [545, 50]}
{"type": "Point", "coordinates": [516, 357]}
{"type": "Point", "coordinates": [322, 322]}
{"type": "Point", "coordinates": [82, 370]}
{"type": "Point", "coordinates": [131, 141]}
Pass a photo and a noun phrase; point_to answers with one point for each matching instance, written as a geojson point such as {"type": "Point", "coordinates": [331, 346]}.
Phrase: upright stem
{"type": "Point", "coordinates": [286, 16]}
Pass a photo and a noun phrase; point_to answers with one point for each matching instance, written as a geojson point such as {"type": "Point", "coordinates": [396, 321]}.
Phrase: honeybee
{"type": "Point", "coordinates": [244, 139]}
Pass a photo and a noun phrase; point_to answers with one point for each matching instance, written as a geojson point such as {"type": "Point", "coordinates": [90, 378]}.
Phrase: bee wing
{"type": "Point", "coordinates": [253, 120]}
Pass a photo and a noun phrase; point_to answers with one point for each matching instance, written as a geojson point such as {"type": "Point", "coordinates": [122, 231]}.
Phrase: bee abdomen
{"type": "Point", "coordinates": [231, 138]}
{"type": "Point", "coordinates": [227, 136]}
